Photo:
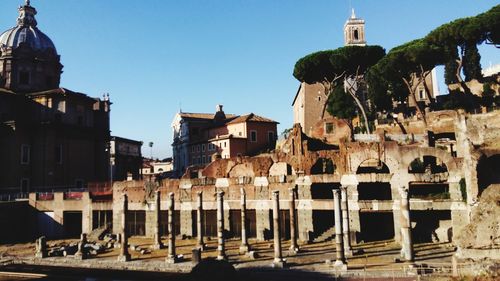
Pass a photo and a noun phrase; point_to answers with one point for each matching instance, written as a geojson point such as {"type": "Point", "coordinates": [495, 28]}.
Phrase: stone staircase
{"type": "Point", "coordinates": [325, 236]}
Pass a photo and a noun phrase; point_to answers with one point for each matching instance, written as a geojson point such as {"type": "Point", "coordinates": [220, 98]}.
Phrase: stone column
{"type": "Point", "coordinates": [294, 248]}
{"type": "Point", "coordinates": [221, 249]}
{"type": "Point", "coordinates": [345, 221]}
{"type": "Point", "coordinates": [339, 245]}
{"type": "Point", "coordinates": [124, 254]}
{"type": "Point", "coordinates": [407, 243]}
{"type": "Point", "coordinates": [41, 247]}
{"type": "Point", "coordinates": [171, 256]}
{"type": "Point", "coordinates": [199, 221]}
{"type": "Point", "coordinates": [278, 260]}
{"type": "Point", "coordinates": [244, 248]}
{"type": "Point", "coordinates": [304, 208]}
{"type": "Point", "coordinates": [80, 253]}
{"type": "Point", "coordinates": [157, 244]}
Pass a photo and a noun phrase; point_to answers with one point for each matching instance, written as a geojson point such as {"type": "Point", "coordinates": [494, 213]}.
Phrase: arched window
{"type": "Point", "coordinates": [356, 34]}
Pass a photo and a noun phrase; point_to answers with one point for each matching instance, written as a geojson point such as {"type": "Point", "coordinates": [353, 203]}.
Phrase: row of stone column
{"type": "Point", "coordinates": [342, 239]}
{"type": "Point", "coordinates": [157, 244]}
{"type": "Point", "coordinates": [221, 255]}
{"type": "Point", "coordinates": [342, 231]}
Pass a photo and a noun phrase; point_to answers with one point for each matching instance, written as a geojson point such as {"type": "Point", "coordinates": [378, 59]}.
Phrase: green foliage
{"type": "Point", "coordinates": [413, 58]}
{"type": "Point", "coordinates": [450, 65]}
{"type": "Point", "coordinates": [450, 68]}
{"type": "Point", "coordinates": [341, 104]}
{"type": "Point", "coordinates": [458, 100]}
{"type": "Point", "coordinates": [465, 34]}
{"type": "Point", "coordinates": [315, 67]}
{"type": "Point", "coordinates": [472, 65]}
{"type": "Point", "coordinates": [463, 189]}
{"type": "Point", "coordinates": [488, 98]}
{"type": "Point", "coordinates": [344, 61]}
{"type": "Point", "coordinates": [383, 89]}
{"type": "Point", "coordinates": [417, 166]}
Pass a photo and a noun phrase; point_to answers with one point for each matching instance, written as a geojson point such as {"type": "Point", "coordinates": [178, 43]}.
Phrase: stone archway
{"type": "Point", "coordinates": [430, 176]}
{"type": "Point", "coordinates": [374, 166]}
{"type": "Point", "coordinates": [409, 154]}
{"type": "Point", "coordinates": [370, 187]}
{"type": "Point", "coordinates": [427, 164]}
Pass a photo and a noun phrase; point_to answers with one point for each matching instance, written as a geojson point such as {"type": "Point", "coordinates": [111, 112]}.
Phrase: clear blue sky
{"type": "Point", "coordinates": [155, 56]}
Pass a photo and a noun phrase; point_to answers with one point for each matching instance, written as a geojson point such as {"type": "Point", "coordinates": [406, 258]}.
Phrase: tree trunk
{"type": "Point", "coordinates": [412, 87]}
{"type": "Point", "coordinates": [461, 81]}
{"type": "Point", "coordinates": [352, 92]}
{"type": "Point", "coordinates": [327, 86]}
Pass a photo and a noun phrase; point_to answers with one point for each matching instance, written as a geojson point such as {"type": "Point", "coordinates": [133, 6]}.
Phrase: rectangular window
{"type": "Point", "coordinates": [225, 144]}
{"type": "Point", "coordinates": [25, 154]}
{"type": "Point", "coordinates": [203, 148]}
{"type": "Point", "coordinates": [192, 148]}
{"type": "Point", "coordinates": [25, 185]}
{"type": "Point", "coordinates": [61, 106]}
{"type": "Point", "coordinates": [270, 137]}
{"type": "Point", "coordinates": [329, 128]}
{"type": "Point", "coordinates": [198, 148]}
{"type": "Point", "coordinates": [58, 154]}
{"type": "Point", "coordinates": [421, 94]}
{"type": "Point", "coordinates": [203, 159]}
{"type": "Point", "coordinates": [253, 136]}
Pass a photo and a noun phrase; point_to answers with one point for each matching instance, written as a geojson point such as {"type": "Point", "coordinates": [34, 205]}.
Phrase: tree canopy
{"type": "Point", "coordinates": [460, 38]}
{"type": "Point", "coordinates": [331, 64]}
{"type": "Point", "coordinates": [409, 65]}
{"type": "Point", "coordinates": [349, 63]}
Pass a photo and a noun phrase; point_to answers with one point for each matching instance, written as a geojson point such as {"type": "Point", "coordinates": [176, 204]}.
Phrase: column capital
{"type": "Point", "coordinates": [335, 192]}
{"type": "Point", "coordinates": [403, 191]}
{"type": "Point", "coordinates": [276, 194]}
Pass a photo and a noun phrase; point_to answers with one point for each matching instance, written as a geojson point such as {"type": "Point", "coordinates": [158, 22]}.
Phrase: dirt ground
{"type": "Point", "coordinates": [375, 255]}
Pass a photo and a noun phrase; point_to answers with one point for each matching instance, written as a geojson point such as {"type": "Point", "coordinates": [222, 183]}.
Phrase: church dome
{"type": "Point", "coordinates": [26, 32]}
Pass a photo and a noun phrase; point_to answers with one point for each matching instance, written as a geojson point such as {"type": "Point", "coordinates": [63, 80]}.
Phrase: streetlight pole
{"type": "Point", "coordinates": [151, 149]}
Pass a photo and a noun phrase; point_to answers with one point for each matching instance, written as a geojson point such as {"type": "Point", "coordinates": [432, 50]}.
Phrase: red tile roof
{"type": "Point", "coordinates": [251, 118]}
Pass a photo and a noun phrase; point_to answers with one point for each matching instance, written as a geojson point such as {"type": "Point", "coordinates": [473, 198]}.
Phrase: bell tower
{"type": "Point", "coordinates": [354, 31]}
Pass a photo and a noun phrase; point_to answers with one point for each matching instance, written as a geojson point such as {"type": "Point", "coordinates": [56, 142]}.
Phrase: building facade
{"type": "Point", "coordinates": [50, 137]}
{"type": "Point", "coordinates": [126, 158]}
{"type": "Point", "coordinates": [201, 137]}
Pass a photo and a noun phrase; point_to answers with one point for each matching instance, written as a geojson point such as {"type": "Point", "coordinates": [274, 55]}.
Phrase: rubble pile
{"type": "Point", "coordinates": [484, 230]}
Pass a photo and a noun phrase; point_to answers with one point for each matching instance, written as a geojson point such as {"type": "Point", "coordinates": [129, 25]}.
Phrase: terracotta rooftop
{"type": "Point", "coordinates": [251, 118]}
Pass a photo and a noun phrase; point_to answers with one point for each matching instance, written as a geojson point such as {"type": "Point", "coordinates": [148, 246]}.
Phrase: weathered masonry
{"type": "Point", "coordinates": [440, 173]}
